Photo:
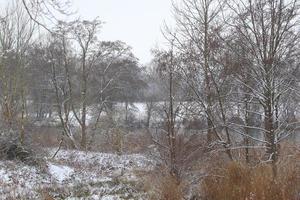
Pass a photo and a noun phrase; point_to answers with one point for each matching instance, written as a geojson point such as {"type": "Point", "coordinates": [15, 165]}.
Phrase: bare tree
{"type": "Point", "coordinates": [268, 33]}
{"type": "Point", "coordinates": [60, 55]}
{"type": "Point", "coordinates": [92, 79]}
{"type": "Point", "coordinates": [167, 69]}
{"type": "Point", "coordinates": [197, 38]}
{"type": "Point", "coordinates": [15, 38]}
{"type": "Point", "coordinates": [85, 35]}
{"type": "Point", "coordinates": [44, 11]}
{"type": "Point", "coordinates": [115, 77]}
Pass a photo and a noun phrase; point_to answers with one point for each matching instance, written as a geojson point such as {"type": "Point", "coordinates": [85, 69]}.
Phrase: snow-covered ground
{"type": "Point", "coordinates": [76, 175]}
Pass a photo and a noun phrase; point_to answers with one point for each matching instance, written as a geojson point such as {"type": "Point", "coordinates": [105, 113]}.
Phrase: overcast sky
{"type": "Point", "coordinates": [136, 22]}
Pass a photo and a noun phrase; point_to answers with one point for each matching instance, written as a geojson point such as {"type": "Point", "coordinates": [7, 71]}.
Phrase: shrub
{"type": "Point", "coordinates": [11, 149]}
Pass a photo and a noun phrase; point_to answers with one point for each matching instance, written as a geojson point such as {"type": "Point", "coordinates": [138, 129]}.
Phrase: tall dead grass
{"type": "Point", "coordinates": [237, 181]}
{"type": "Point", "coordinates": [160, 185]}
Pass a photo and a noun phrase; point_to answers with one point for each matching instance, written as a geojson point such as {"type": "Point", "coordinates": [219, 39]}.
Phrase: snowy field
{"type": "Point", "coordinates": [138, 110]}
{"type": "Point", "coordinates": [76, 175]}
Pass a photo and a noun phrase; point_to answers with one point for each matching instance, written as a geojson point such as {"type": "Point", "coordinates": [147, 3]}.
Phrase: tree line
{"type": "Point", "coordinates": [237, 64]}
{"type": "Point", "coordinates": [64, 71]}
{"type": "Point", "coordinates": [232, 66]}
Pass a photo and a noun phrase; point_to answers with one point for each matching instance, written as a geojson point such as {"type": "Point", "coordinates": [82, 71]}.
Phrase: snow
{"type": "Point", "coordinates": [110, 197]}
{"type": "Point", "coordinates": [4, 176]}
{"type": "Point", "coordinates": [141, 110]}
{"type": "Point", "coordinates": [60, 173]}
{"type": "Point", "coordinates": [75, 175]}
{"type": "Point", "coordinates": [18, 180]}
{"type": "Point", "coordinates": [105, 161]}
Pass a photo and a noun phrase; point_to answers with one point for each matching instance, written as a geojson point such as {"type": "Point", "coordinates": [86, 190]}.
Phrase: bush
{"type": "Point", "coordinates": [11, 149]}
{"type": "Point", "coordinates": [237, 181]}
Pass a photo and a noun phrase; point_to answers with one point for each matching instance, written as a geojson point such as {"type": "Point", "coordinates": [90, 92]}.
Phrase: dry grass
{"type": "Point", "coordinates": [170, 189]}
{"type": "Point", "coordinates": [45, 195]}
{"type": "Point", "coordinates": [238, 181]}
{"type": "Point", "coordinates": [160, 185]}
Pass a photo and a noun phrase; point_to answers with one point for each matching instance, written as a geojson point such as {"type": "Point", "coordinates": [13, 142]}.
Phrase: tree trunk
{"type": "Point", "coordinates": [271, 147]}
{"type": "Point", "coordinates": [83, 99]}
{"type": "Point", "coordinates": [22, 131]}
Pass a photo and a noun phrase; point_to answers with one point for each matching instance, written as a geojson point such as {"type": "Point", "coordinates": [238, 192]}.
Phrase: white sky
{"type": "Point", "coordinates": [136, 22]}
